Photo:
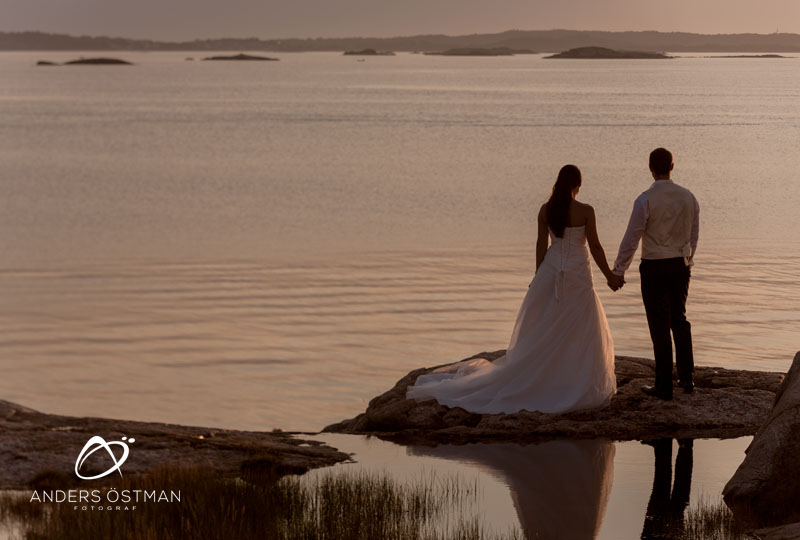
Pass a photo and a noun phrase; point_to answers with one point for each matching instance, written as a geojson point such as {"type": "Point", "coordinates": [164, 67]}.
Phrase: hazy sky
{"type": "Point", "coordinates": [188, 19]}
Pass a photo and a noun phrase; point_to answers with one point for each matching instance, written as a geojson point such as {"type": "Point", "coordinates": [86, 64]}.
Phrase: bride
{"type": "Point", "coordinates": [561, 355]}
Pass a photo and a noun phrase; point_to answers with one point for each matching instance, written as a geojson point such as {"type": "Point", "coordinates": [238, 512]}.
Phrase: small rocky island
{"type": "Point", "coordinates": [749, 56]}
{"type": "Point", "coordinates": [725, 403]}
{"type": "Point", "coordinates": [242, 56]}
{"type": "Point", "coordinates": [604, 53]}
{"type": "Point", "coordinates": [369, 52]}
{"type": "Point", "coordinates": [88, 62]}
{"type": "Point", "coordinates": [473, 51]}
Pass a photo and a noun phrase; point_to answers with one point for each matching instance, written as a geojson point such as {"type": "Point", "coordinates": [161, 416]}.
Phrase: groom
{"type": "Point", "coordinates": [666, 218]}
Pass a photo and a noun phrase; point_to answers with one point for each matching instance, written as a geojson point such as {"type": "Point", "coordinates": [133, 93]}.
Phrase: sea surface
{"type": "Point", "coordinates": [269, 245]}
{"type": "Point", "coordinates": [259, 245]}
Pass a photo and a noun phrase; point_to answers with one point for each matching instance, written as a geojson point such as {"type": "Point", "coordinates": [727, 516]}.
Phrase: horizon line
{"type": "Point", "coordinates": [406, 36]}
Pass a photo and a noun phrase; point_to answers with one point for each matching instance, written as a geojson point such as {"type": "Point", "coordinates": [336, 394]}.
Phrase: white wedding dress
{"type": "Point", "coordinates": [561, 355]}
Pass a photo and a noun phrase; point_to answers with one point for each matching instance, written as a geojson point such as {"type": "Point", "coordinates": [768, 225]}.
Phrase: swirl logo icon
{"type": "Point", "coordinates": [98, 443]}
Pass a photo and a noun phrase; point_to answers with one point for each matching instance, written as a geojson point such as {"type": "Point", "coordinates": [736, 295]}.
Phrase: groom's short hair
{"type": "Point", "coordinates": [661, 161]}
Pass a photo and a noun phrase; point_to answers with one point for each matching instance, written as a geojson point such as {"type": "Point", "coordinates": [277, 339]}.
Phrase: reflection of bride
{"type": "Point", "coordinates": [560, 488]}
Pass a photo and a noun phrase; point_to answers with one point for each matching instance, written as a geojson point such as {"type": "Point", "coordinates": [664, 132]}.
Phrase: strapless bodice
{"type": "Point", "coordinates": [570, 250]}
{"type": "Point", "coordinates": [569, 255]}
{"type": "Point", "coordinates": [574, 236]}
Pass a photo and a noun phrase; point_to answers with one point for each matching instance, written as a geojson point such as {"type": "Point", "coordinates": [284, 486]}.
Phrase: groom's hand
{"type": "Point", "coordinates": [616, 282]}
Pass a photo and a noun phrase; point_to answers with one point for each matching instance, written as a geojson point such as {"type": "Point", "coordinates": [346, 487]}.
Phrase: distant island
{"type": "Point", "coordinates": [551, 41]}
{"type": "Point", "coordinates": [88, 61]}
{"type": "Point", "coordinates": [472, 51]}
{"type": "Point", "coordinates": [749, 56]}
{"type": "Point", "coordinates": [99, 62]}
{"type": "Point", "coordinates": [603, 53]}
{"type": "Point", "coordinates": [242, 57]}
{"type": "Point", "coordinates": [369, 52]}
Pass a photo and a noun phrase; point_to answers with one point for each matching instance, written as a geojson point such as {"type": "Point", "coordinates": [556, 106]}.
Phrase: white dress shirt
{"type": "Point", "coordinates": [636, 227]}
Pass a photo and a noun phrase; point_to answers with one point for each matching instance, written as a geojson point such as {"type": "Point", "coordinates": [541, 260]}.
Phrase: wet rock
{"type": "Point", "coordinates": [36, 447]}
{"type": "Point", "coordinates": [429, 416]}
{"type": "Point", "coordinates": [766, 486]}
{"type": "Point", "coordinates": [460, 417]}
{"type": "Point", "coordinates": [726, 403]}
{"type": "Point", "coordinates": [784, 532]}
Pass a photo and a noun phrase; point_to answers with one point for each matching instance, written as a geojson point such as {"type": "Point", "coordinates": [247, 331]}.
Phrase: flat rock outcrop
{"type": "Point", "coordinates": [784, 532]}
{"type": "Point", "coordinates": [766, 486]}
{"type": "Point", "coordinates": [725, 403]}
{"type": "Point", "coordinates": [33, 443]}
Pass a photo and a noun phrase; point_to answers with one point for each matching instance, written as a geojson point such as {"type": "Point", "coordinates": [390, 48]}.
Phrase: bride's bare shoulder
{"type": "Point", "coordinates": [543, 211]}
{"type": "Point", "coordinates": [584, 209]}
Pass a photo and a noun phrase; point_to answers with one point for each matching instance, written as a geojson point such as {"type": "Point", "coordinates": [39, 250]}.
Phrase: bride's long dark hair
{"type": "Point", "coordinates": [569, 177]}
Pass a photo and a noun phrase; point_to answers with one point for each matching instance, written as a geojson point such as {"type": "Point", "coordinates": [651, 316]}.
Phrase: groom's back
{"type": "Point", "coordinates": [671, 215]}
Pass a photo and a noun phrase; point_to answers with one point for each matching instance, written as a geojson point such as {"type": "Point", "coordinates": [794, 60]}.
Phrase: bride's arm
{"type": "Point", "coordinates": [596, 247]}
{"type": "Point", "coordinates": [542, 238]}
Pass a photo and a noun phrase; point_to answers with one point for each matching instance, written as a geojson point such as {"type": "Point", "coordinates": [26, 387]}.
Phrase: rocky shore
{"type": "Point", "coordinates": [725, 403]}
{"type": "Point", "coordinates": [34, 443]}
{"type": "Point", "coordinates": [765, 489]}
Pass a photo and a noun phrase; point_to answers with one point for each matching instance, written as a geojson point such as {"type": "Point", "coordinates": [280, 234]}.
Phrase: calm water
{"type": "Point", "coordinates": [564, 490]}
{"type": "Point", "coordinates": [271, 245]}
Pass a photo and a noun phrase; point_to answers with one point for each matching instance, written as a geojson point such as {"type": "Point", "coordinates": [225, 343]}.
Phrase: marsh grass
{"type": "Point", "coordinates": [711, 521]}
{"type": "Point", "coordinates": [333, 506]}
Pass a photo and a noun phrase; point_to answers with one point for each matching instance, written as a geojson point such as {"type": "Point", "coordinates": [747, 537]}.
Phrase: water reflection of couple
{"type": "Point", "coordinates": [561, 354]}
{"type": "Point", "coordinates": [561, 488]}
{"type": "Point", "coordinates": [664, 517]}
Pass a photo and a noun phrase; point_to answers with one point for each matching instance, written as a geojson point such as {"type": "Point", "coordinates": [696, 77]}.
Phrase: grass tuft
{"type": "Point", "coordinates": [711, 521]}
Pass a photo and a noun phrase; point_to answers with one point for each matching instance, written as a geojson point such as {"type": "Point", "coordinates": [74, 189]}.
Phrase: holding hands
{"type": "Point", "coordinates": [615, 282]}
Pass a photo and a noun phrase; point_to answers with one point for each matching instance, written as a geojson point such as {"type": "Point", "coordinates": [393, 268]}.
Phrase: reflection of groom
{"type": "Point", "coordinates": [664, 517]}
{"type": "Point", "coordinates": [666, 219]}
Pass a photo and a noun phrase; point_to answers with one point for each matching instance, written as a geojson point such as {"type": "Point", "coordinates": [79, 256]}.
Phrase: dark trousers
{"type": "Point", "coordinates": [665, 286]}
